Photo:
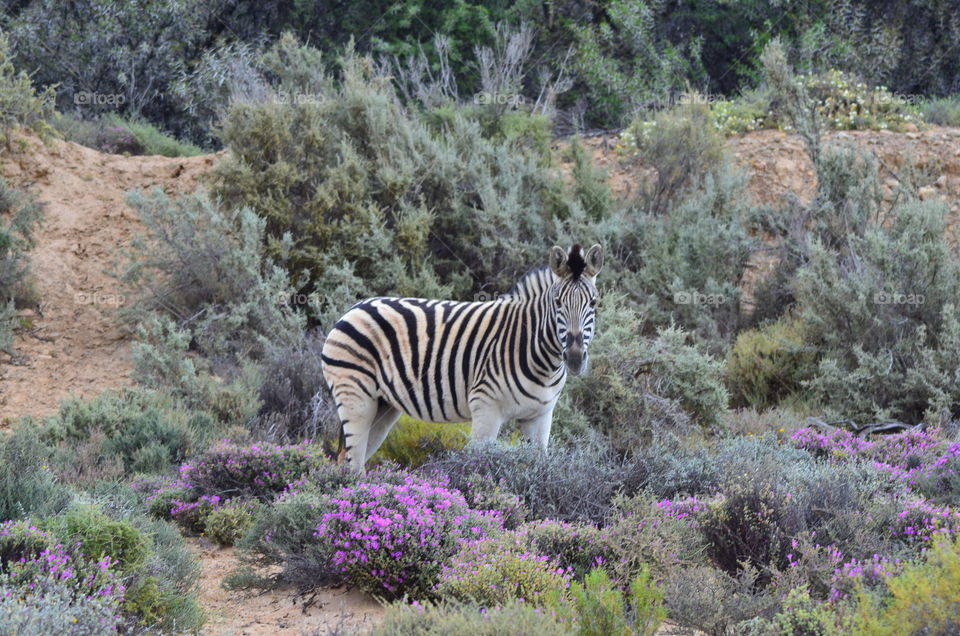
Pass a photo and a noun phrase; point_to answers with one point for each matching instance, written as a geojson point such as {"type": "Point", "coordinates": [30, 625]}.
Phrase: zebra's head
{"type": "Point", "coordinates": [574, 295]}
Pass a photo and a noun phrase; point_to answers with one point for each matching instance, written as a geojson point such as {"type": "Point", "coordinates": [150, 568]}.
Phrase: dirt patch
{"type": "Point", "coordinates": [280, 612]}
{"type": "Point", "coordinates": [76, 346]}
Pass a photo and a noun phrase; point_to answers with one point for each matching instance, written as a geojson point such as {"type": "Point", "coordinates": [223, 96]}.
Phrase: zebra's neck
{"type": "Point", "coordinates": [544, 348]}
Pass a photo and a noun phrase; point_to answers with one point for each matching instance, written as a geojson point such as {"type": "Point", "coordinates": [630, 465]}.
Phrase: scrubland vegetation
{"type": "Point", "coordinates": [716, 469]}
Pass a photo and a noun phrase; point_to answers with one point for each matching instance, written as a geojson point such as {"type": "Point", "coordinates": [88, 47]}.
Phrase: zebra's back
{"type": "Point", "coordinates": [421, 356]}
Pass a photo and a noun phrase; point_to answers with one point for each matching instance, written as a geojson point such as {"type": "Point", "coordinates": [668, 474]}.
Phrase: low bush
{"type": "Point", "coordinates": [575, 484]}
{"type": "Point", "coordinates": [29, 555]}
{"type": "Point", "coordinates": [231, 521]}
{"type": "Point", "coordinates": [392, 539]}
{"type": "Point", "coordinates": [597, 606]}
{"type": "Point", "coordinates": [52, 606]}
{"type": "Point", "coordinates": [944, 111]}
{"type": "Point", "coordinates": [923, 599]}
{"type": "Point", "coordinates": [99, 536]}
{"type": "Point", "coordinates": [205, 270]}
{"type": "Point", "coordinates": [143, 431]}
{"type": "Point", "coordinates": [577, 548]}
{"type": "Point", "coordinates": [28, 486]}
{"type": "Point", "coordinates": [769, 364]}
{"type": "Point", "coordinates": [412, 443]}
{"type": "Point", "coordinates": [492, 572]}
{"type": "Point", "coordinates": [454, 619]}
{"type": "Point", "coordinates": [261, 470]}
{"type": "Point", "coordinates": [20, 103]}
{"type": "Point", "coordinates": [20, 217]}
{"type": "Point", "coordinates": [715, 603]}
{"type": "Point", "coordinates": [683, 146]}
{"type": "Point", "coordinates": [294, 404]}
{"type": "Point", "coordinates": [655, 536]}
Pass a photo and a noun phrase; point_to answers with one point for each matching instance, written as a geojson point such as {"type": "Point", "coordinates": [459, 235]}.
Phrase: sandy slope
{"type": "Point", "coordinates": [76, 346]}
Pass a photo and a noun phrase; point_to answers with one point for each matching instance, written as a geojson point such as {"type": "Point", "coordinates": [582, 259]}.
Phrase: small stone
{"type": "Point", "coordinates": [926, 193]}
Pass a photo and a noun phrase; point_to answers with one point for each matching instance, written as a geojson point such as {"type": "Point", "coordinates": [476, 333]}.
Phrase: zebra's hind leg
{"type": "Point", "coordinates": [386, 417]}
{"type": "Point", "coordinates": [357, 412]}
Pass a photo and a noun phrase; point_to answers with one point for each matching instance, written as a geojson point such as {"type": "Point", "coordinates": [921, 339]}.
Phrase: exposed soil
{"type": "Point", "coordinates": [76, 346]}
{"type": "Point", "coordinates": [281, 612]}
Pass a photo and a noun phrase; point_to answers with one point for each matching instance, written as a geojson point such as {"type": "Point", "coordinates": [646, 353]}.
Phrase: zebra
{"type": "Point", "coordinates": [446, 361]}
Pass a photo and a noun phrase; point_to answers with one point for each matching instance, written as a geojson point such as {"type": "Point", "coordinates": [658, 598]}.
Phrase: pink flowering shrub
{"type": "Point", "coordinates": [495, 571]}
{"type": "Point", "coordinates": [259, 470]}
{"type": "Point", "coordinates": [578, 548]}
{"type": "Point", "coordinates": [30, 555]}
{"type": "Point", "coordinates": [828, 573]}
{"type": "Point", "coordinates": [391, 539]}
{"type": "Point", "coordinates": [920, 460]}
{"type": "Point", "coordinates": [921, 521]}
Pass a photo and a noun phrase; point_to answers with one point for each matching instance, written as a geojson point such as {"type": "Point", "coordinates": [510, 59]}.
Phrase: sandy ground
{"type": "Point", "coordinates": [76, 346]}
{"type": "Point", "coordinates": [279, 612]}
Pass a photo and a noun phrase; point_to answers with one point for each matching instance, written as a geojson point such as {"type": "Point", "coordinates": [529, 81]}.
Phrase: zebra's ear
{"type": "Point", "coordinates": [594, 261]}
{"type": "Point", "coordinates": [558, 262]}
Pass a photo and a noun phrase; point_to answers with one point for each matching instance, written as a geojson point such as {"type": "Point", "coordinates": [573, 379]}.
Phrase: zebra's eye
{"type": "Point", "coordinates": [559, 302]}
{"type": "Point", "coordinates": [593, 301]}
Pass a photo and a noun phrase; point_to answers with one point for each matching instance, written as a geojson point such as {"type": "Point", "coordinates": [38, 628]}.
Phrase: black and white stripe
{"type": "Point", "coordinates": [446, 361]}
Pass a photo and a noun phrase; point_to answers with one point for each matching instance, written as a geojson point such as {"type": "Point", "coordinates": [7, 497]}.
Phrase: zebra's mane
{"type": "Point", "coordinates": [533, 284]}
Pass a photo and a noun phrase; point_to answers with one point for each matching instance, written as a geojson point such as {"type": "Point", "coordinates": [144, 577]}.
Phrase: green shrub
{"type": "Point", "coordinates": [27, 484]}
{"type": "Point", "coordinates": [802, 616]}
{"type": "Point", "coordinates": [205, 270]}
{"type": "Point", "coordinates": [143, 430]}
{"type": "Point", "coordinates": [377, 203]}
{"type": "Point", "coordinates": [101, 536]}
{"type": "Point", "coordinates": [411, 443]}
{"type": "Point", "coordinates": [20, 103]}
{"type": "Point", "coordinates": [20, 216]}
{"type": "Point", "coordinates": [640, 385]}
{"type": "Point", "coordinates": [884, 321]}
{"type": "Point", "coordinates": [625, 62]}
{"type": "Point", "coordinates": [769, 364]}
{"type": "Point", "coordinates": [739, 116]}
{"type": "Point", "coordinates": [923, 599]}
{"type": "Point", "coordinates": [944, 111]}
{"type": "Point", "coordinates": [162, 592]}
{"type": "Point", "coordinates": [454, 619]}
{"type": "Point", "coordinates": [688, 266]}
{"type": "Point", "coordinates": [683, 146]}
{"type": "Point", "coordinates": [597, 607]}
{"type": "Point", "coordinates": [228, 523]}
{"type": "Point", "coordinates": [492, 572]}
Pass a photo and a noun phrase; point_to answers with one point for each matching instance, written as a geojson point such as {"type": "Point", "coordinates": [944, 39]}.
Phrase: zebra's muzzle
{"type": "Point", "coordinates": [575, 355]}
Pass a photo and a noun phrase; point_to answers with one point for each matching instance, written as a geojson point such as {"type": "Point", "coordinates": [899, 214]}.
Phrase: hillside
{"type": "Point", "coordinates": [75, 345]}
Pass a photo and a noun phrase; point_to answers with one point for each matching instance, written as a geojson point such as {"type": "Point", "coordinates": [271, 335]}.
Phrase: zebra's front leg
{"type": "Point", "coordinates": [485, 425]}
{"type": "Point", "coordinates": [537, 428]}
